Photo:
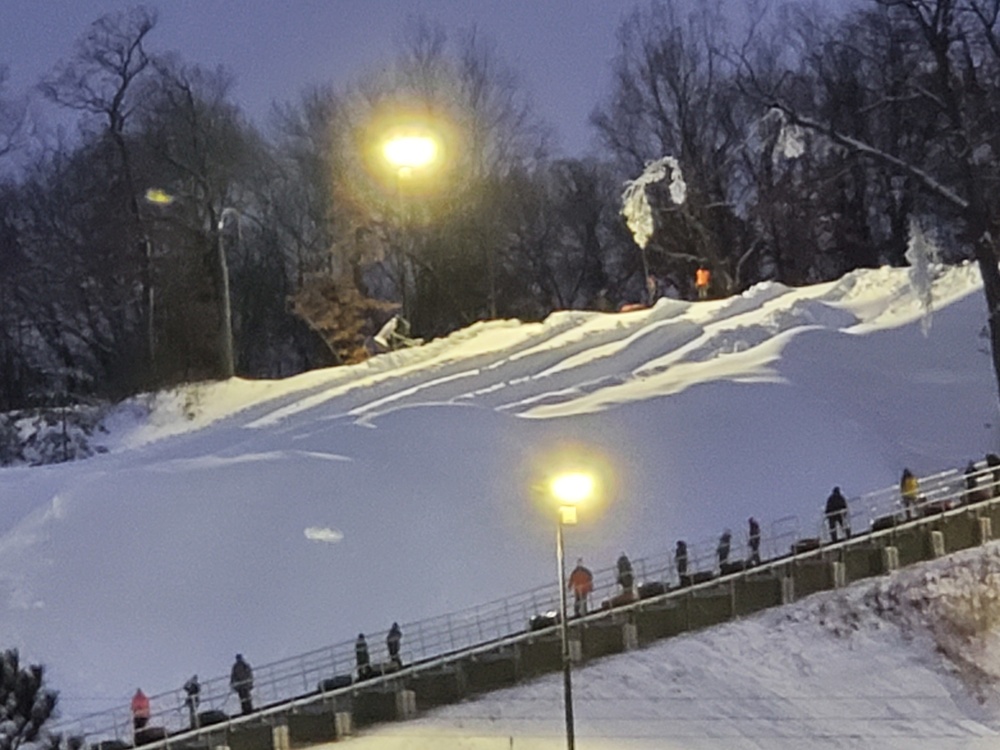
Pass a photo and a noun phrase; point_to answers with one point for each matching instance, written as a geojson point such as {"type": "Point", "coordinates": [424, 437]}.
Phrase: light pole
{"type": "Point", "coordinates": [225, 304]}
{"type": "Point", "coordinates": [156, 197]}
{"type": "Point", "coordinates": [569, 491]}
{"type": "Point", "coordinates": [406, 152]}
{"type": "Point", "coordinates": [160, 197]}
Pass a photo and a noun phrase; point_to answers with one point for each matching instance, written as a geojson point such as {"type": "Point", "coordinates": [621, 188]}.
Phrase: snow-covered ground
{"type": "Point", "coordinates": [271, 518]}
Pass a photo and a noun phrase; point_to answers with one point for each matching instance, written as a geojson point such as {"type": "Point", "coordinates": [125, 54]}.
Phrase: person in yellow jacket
{"type": "Point", "coordinates": [909, 490]}
{"type": "Point", "coordinates": [702, 278]}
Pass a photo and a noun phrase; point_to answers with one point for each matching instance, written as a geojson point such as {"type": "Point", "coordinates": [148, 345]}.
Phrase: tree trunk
{"type": "Point", "coordinates": [987, 259]}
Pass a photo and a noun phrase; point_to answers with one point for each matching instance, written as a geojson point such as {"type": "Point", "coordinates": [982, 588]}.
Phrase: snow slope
{"type": "Point", "coordinates": [271, 518]}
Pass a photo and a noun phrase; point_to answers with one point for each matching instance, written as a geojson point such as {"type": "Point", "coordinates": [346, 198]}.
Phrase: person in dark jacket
{"type": "Point", "coordinates": [361, 657]}
{"type": "Point", "coordinates": [681, 558]}
{"type": "Point", "coordinates": [193, 690]}
{"type": "Point", "coordinates": [722, 550]}
{"type": "Point", "coordinates": [973, 492]}
{"type": "Point", "coordinates": [241, 681]}
{"type": "Point", "coordinates": [625, 575]}
{"type": "Point", "coordinates": [836, 515]}
{"type": "Point", "coordinates": [392, 643]}
{"type": "Point", "coordinates": [993, 461]}
{"type": "Point", "coordinates": [754, 540]}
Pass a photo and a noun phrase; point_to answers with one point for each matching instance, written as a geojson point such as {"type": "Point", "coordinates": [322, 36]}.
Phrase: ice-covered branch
{"type": "Point", "coordinates": [923, 255]}
{"type": "Point", "coordinates": [635, 203]}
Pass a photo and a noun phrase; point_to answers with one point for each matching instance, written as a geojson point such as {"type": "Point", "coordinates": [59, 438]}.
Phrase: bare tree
{"type": "Point", "coordinates": [674, 95]}
{"type": "Point", "coordinates": [199, 148]}
{"type": "Point", "coordinates": [303, 204]}
{"type": "Point", "coordinates": [445, 253]}
{"type": "Point", "coordinates": [13, 113]}
{"type": "Point", "coordinates": [949, 73]}
{"type": "Point", "coordinates": [104, 78]}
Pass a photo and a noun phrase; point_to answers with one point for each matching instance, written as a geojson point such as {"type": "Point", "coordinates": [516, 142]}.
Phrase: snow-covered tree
{"type": "Point", "coordinates": [25, 705]}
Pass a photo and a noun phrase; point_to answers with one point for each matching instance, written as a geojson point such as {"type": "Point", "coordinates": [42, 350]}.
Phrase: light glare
{"type": "Point", "coordinates": [573, 488]}
{"type": "Point", "coordinates": [410, 151]}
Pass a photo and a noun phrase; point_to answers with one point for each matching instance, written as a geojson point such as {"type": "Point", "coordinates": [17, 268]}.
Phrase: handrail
{"type": "Point", "coordinates": [446, 638]}
{"type": "Point", "coordinates": [503, 643]}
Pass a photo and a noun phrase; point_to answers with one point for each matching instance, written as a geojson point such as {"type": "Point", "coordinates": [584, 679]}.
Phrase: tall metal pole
{"type": "Point", "coordinates": [564, 629]}
{"type": "Point", "coordinates": [492, 264]}
{"type": "Point", "coordinates": [227, 361]}
{"type": "Point", "coordinates": [404, 232]}
{"type": "Point", "coordinates": [148, 301]}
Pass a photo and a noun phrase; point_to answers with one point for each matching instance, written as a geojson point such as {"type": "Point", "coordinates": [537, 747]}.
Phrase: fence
{"type": "Point", "coordinates": [434, 640]}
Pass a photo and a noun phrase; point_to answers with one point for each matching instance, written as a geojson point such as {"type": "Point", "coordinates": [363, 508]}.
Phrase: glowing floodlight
{"type": "Point", "coordinates": [159, 197]}
{"type": "Point", "coordinates": [573, 488]}
{"type": "Point", "coordinates": [409, 152]}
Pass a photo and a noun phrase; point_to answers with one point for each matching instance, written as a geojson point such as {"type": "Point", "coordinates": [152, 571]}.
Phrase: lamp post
{"type": "Point", "coordinates": [406, 152]}
{"type": "Point", "coordinates": [156, 197]}
{"type": "Point", "coordinates": [569, 491]}
{"type": "Point", "coordinates": [225, 303]}
{"type": "Point", "coordinates": [159, 197]}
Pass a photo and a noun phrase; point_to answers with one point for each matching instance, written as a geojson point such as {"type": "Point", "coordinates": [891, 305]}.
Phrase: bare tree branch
{"type": "Point", "coordinates": [925, 179]}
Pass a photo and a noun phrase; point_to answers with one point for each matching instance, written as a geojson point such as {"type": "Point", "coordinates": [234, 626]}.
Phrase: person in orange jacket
{"type": "Point", "coordinates": [140, 710]}
{"type": "Point", "coordinates": [581, 583]}
{"type": "Point", "coordinates": [702, 278]}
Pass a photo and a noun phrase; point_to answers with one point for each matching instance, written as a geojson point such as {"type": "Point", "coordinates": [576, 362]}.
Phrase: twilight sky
{"type": "Point", "coordinates": [561, 48]}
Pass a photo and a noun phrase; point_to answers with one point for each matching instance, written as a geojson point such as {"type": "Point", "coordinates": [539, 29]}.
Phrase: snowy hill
{"type": "Point", "coordinates": [272, 518]}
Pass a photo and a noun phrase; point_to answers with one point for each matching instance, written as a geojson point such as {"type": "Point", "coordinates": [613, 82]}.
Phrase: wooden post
{"type": "Point", "coordinates": [575, 650]}
{"type": "Point", "coordinates": [985, 529]}
{"type": "Point", "coordinates": [406, 704]}
{"type": "Point", "coordinates": [838, 572]}
{"type": "Point", "coordinates": [343, 723]}
{"type": "Point", "coordinates": [630, 636]}
{"type": "Point", "coordinates": [890, 559]}
{"type": "Point", "coordinates": [937, 544]}
{"type": "Point", "coordinates": [280, 739]}
{"type": "Point", "coordinates": [787, 589]}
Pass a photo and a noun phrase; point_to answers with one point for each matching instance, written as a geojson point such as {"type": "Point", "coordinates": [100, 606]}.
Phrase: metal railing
{"type": "Point", "coordinates": [439, 639]}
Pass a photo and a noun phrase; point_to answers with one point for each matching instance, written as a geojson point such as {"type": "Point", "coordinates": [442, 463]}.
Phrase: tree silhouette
{"type": "Point", "coordinates": [25, 705]}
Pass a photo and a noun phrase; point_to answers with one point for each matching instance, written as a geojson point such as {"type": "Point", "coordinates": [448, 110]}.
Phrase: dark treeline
{"type": "Point", "coordinates": [809, 147]}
